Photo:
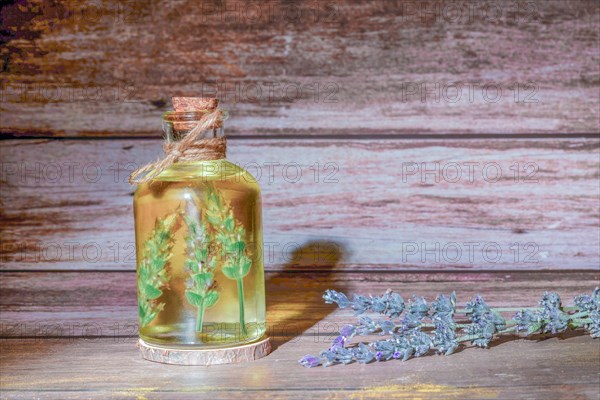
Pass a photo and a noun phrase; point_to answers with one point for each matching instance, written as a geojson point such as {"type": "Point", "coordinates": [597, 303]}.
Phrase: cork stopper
{"type": "Point", "coordinates": [194, 104]}
{"type": "Point", "coordinates": [188, 110]}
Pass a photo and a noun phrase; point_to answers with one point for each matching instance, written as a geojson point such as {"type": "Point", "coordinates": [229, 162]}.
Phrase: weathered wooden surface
{"type": "Point", "coordinates": [342, 67]}
{"type": "Point", "coordinates": [67, 205]}
{"type": "Point", "coordinates": [523, 369]}
{"type": "Point", "coordinates": [90, 304]}
{"type": "Point", "coordinates": [72, 367]}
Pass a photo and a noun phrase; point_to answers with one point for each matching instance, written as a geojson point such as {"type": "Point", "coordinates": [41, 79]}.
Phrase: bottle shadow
{"type": "Point", "coordinates": [294, 293]}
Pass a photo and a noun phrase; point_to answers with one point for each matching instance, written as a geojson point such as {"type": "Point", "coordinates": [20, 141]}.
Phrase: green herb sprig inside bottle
{"type": "Point", "coordinates": [198, 228]}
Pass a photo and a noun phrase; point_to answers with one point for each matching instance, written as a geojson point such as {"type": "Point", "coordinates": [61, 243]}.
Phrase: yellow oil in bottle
{"type": "Point", "coordinates": [208, 211]}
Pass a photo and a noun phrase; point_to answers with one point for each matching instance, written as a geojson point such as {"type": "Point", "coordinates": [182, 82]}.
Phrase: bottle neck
{"type": "Point", "coordinates": [177, 125]}
{"type": "Point", "coordinates": [190, 135]}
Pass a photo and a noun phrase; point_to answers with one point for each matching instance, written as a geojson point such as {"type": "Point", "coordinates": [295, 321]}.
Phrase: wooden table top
{"type": "Point", "coordinates": [78, 341]}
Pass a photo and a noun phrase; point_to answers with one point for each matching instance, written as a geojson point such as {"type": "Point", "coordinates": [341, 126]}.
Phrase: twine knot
{"type": "Point", "coordinates": [190, 148]}
{"type": "Point", "coordinates": [167, 148]}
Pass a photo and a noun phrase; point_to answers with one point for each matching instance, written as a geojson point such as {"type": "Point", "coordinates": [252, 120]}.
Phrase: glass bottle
{"type": "Point", "coordinates": [198, 229]}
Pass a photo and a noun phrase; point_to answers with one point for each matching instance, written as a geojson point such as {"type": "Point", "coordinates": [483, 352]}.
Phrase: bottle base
{"type": "Point", "coordinates": [213, 336]}
{"type": "Point", "coordinates": [228, 355]}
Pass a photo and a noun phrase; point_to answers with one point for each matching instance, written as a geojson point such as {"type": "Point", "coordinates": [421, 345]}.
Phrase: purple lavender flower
{"type": "Point", "coordinates": [550, 319]}
{"type": "Point", "coordinates": [550, 300]}
{"type": "Point", "coordinates": [528, 321]}
{"type": "Point", "coordinates": [338, 342]}
{"type": "Point", "coordinates": [310, 361]}
{"type": "Point", "coordinates": [387, 327]}
{"type": "Point", "coordinates": [402, 346]}
{"type": "Point", "coordinates": [484, 327]}
{"type": "Point", "coordinates": [348, 331]}
{"type": "Point", "coordinates": [444, 338]}
{"type": "Point", "coordinates": [394, 304]}
{"type": "Point", "coordinates": [337, 355]}
{"type": "Point", "coordinates": [589, 303]}
{"type": "Point", "coordinates": [366, 326]}
{"type": "Point", "coordinates": [556, 321]}
{"type": "Point", "coordinates": [361, 304]}
{"type": "Point", "coordinates": [363, 354]}
{"type": "Point", "coordinates": [419, 306]}
{"type": "Point", "coordinates": [332, 296]}
{"type": "Point", "coordinates": [485, 322]}
{"type": "Point", "coordinates": [384, 349]}
{"type": "Point", "coordinates": [390, 304]}
{"type": "Point", "coordinates": [477, 307]}
{"type": "Point", "coordinates": [443, 307]}
{"type": "Point", "coordinates": [417, 311]}
{"type": "Point", "coordinates": [421, 343]}
{"type": "Point", "coordinates": [378, 304]}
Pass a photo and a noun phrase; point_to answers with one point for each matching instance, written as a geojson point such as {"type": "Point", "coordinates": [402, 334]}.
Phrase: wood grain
{"type": "Point", "coordinates": [358, 203]}
{"type": "Point", "coordinates": [103, 304]}
{"type": "Point", "coordinates": [310, 68]}
{"type": "Point", "coordinates": [87, 366]}
{"type": "Point", "coordinates": [516, 370]}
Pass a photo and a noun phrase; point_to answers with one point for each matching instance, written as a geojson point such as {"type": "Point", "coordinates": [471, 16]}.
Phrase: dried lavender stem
{"type": "Point", "coordinates": [468, 338]}
{"type": "Point", "coordinates": [515, 309]}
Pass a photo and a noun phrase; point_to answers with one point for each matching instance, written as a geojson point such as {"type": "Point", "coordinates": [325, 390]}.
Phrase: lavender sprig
{"type": "Point", "coordinates": [411, 337]}
{"type": "Point", "coordinates": [485, 322]}
{"type": "Point", "coordinates": [390, 304]}
{"type": "Point", "coordinates": [591, 305]}
{"type": "Point", "coordinates": [442, 315]}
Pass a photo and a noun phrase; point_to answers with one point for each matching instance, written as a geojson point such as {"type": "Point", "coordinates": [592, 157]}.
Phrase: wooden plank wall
{"type": "Point", "coordinates": [420, 145]}
{"type": "Point", "coordinates": [304, 68]}
{"type": "Point", "coordinates": [369, 204]}
{"type": "Point", "coordinates": [388, 170]}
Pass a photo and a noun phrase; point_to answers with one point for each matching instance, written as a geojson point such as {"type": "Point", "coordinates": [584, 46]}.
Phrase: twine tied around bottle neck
{"type": "Point", "coordinates": [190, 148]}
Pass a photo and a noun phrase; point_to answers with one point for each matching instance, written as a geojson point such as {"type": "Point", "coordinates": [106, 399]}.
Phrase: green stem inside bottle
{"type": "Point", "coordinates": [240, 285]}
{"type": "Point", "coordinates": [200, 319]}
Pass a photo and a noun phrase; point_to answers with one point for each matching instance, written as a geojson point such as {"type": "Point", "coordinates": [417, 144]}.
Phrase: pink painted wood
{"type": "Point", "coordinates": [519, 204]}
{"type": "Point", "coordinates": [335, 68]}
